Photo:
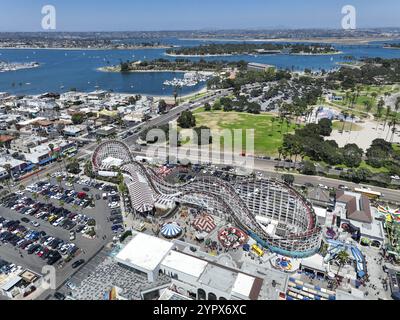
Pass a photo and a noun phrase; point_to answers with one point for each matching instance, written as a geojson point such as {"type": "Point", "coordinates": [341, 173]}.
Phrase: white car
{"type": "Point", "coordinates": [114, 205]}
{"type": "Point", "coordinates": [70, 285]}
{"type": "Point", "coordinates": [58, 222]}
{"type": "Point", "coordinates": [85, 229]}
{"type": "Point", "coordinates": [38, 215]}
{"type": "Point", "coordinates": [35, 223]}
{"type": "Point", "coordinates": [47, 242]}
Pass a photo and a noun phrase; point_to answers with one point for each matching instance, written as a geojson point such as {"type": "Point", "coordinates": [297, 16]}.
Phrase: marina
{"type": "Point", "coordinates": [190, 79]}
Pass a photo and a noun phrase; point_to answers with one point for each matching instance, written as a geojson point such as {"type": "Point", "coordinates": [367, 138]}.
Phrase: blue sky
{"type": "Point", "coordinates": [121, 15]}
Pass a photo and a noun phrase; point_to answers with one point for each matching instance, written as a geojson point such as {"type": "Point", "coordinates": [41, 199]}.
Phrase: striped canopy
{"type": "Point", "coordinates": [171, 230]}
{"type": "Point", "coordinates": [204, 223]}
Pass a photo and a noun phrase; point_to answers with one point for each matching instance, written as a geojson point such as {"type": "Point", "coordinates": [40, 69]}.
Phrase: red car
{"type": "Point", "coordinates": [42, 252]}
{"type": "Point", "coordinates": [81, 195]}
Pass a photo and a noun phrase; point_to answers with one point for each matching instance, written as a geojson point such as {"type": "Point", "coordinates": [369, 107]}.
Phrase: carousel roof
{"type": "Point", "coordinates": [171, 229]}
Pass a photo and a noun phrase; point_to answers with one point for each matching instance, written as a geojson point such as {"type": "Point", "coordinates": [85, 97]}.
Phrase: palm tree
{"type": "Point", "coordinates": [368, 105]}
{"type": "Point", "coordinates": [51, 147]}
{"type": "Point", "coordinates": [176, 93]}
{"type": "Point", "coordinates": [8, 168]}
{"type": "Point", "coordinates": [342, 257]}
{"type": "Point", "coordinates": [393, 124]}
{"type": "Point", "coordinates": [389, 125]}
{"type": "Point", "coordinates": [397, 104]}
{"type": "Point", "coordinates": [70, 179]}
{"type": "Point", "coordinates": [59, 179]}
{"type": "Point", "coordinates": [379, 111]}
{"type": "Point", "coordinates": [387, 114]}
{"type": "Point", "coordinates": [379, 106]}
{"type": "Point", "coordinates": [347, 96]}
{"type": "Point", "coordinates": [273, 119]}
{"type": "Point", "coordinates": [345, 115]}
{"type": "Point", "coordinates": [352, 117]}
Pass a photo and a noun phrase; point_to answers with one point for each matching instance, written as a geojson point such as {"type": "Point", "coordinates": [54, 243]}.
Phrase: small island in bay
{"type": "Point", "coordinates": [177, 65]}
{"type": "Point", "coordinates": [230, 49]}
{"type": "Point", "coordinates": [392, 46]}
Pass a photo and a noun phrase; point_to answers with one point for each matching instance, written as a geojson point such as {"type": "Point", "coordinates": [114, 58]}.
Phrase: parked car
{"type": "Point", "coordinates": [59, 296]}
{"type": "Point", "coordinates": [78, 263]}
{"type": "Point", "coordinates": [35, 223]}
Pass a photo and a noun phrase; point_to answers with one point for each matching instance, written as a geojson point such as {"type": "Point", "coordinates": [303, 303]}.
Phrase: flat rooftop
{"type": "Point", "coordinates": [184, 263]}
{"type": "Point", "coordinates": [144, 251]}
{"type": "Point", "coordinates": [243, 285]}
{"type": "Point", "coordinates": [218, 277]}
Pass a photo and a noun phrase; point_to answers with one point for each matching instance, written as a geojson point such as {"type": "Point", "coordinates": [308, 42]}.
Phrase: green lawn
{"type": "Point", "coordinates": [338, 125]}
{"type": "Point", "coordinates": [396, 147]}
{"type": "Point", "coordinates": [372, 169]}
{"type": "Point", "coordinates": [267, 135]}
{"type": "Point", "coordinates": [362, 165]}
{"type": "Point", "coordinates": [366, 94]}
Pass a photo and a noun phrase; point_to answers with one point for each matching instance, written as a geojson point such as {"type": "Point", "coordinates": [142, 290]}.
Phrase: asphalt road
{"type": "Point", "coordinates": [174, 113]}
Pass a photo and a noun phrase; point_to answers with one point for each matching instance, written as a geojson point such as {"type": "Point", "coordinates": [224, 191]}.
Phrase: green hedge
{"type": "Point", "coordinates": [125, 235]}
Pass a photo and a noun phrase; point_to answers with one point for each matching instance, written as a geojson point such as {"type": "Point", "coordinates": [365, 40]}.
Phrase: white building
{"type": "Point", "coordinates": [191, 276]}
{"type": "Point", "coordinates": [144, 254]}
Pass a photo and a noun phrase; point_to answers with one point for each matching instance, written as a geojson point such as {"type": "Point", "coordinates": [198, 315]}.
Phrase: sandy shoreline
{"type": "Point", "coordinates": [186, 96]}
{"type": "Point", "coordinates": [102, 69]}
{"type": "Point", "coordinates": [105, 69]}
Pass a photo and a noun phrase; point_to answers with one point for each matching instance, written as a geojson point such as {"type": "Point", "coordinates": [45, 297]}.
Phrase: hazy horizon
{"type": "Point", "coordinates": [195, 15]}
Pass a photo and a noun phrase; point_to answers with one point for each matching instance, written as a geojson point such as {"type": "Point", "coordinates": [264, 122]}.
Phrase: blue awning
{"type": "Point", "coordinates": [45, 161]}
{"type": "Point", "coordinates": [29, 167]}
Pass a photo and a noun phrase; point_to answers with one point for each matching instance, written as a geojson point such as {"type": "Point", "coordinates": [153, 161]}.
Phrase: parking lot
{"type": "Point", "coordinates": [58, 221]}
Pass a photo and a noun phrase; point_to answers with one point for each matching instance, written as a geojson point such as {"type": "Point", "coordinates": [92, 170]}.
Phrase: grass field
{"type": "Point", "coordinates": [268, 134]}
{"type": "Point", "coordinates": [338, 125]}
{"type": "Point", "coordinates": [396, 147]}
{"type": "Point", "coordinates": [366, 94]}
{"type": "Point", "coordinates": [362, 165]}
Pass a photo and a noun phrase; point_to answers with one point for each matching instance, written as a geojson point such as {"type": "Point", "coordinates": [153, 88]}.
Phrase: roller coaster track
{"type": "Point", "coordinates": [206, 187]}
